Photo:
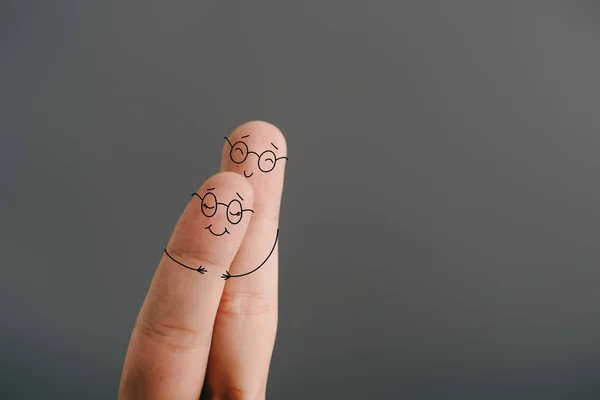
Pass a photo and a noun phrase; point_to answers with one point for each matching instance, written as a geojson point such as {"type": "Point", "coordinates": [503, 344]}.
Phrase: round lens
{"type": "Point", "coordinates": [239, 152]}
{"type": "Point", "coordinates": [209, 204]}
{"type": "Point", "coordinates": [234, 211]}
{"type": "Point", "coordinates": [266, 161]}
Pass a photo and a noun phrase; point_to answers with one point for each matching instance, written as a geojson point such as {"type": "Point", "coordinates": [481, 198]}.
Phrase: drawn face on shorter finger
{"type": "Point", "coordinates": [252, 161]}
{"type": "Point", "coordinates": [210, 207]}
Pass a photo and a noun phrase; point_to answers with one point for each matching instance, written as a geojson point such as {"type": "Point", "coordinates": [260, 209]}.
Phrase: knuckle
{"type": "Point", "coordinates": [232, 392]}
{"type": "Point", "coordinates": [172, 335]}
{"type": "Point", "coordinates": [247, 304]}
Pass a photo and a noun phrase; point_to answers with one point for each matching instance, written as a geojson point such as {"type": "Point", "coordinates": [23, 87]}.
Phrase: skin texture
{"type": "Point", "coordinates": [198, 334]}
{"type": "Point", "coordinates": [247, 320]}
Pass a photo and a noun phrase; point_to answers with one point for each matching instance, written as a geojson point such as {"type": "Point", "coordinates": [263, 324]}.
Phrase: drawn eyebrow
{"type": "Point", "coordinates": [211, 189]}
{"type": "Point", "coordinates": [274, 146]}
{"type": "Point", "coordinates": [239, 196]}
{"type": "Point", "coordinates": [245, 136]}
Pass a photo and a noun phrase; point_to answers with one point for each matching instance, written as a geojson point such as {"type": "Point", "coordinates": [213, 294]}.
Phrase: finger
{"type": "Point", "coordinates": [169, 346]}
{"type": "Point", "coordinates": [246, 322]}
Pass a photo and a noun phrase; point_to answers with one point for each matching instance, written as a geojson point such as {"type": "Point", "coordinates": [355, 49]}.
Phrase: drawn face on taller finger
{"type": "Point", "coordinates": [257, 150]}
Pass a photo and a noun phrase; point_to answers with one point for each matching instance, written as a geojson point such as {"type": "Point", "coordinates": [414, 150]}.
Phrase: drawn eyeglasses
{"type": "Point", "coordinates": [209, 205]}
{"type": "Point", "coordinates": [266, 160]}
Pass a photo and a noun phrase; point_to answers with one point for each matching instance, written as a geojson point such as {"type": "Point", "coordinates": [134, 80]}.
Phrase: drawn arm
{"type": "Point", "coordinates": [200, 269]}
{"type": "Point", "coordinates": [227, 275]}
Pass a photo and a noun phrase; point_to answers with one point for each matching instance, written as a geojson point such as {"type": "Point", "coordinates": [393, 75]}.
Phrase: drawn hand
{"type": "Point", "coordinates": [208, 330]}
{"type": "Point", "coordinates": [226, 275]}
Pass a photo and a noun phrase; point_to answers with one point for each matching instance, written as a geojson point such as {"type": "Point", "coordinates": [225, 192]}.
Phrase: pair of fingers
{"type": "Point", "coordinates": [207, 321]}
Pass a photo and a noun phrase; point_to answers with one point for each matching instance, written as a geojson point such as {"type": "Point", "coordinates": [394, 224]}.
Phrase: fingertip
{"type": "Point", "coordinates": [267, 133]}
{"type": "Point", "coordinates": [259, 135]}
{"type": "Point", "coordinates": [257, 151]}
{"type": "Point", "coordinates": [215, 220]}
{"type": "Point", "coordinates": [230, 185]}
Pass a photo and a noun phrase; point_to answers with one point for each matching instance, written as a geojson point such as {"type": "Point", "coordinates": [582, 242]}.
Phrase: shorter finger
{"type": "Point", "coordinates": [171, 339]}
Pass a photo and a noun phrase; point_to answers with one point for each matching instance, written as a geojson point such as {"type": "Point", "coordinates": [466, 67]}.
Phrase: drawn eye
{"type": "Point", "coordinates": [266, 161]}
{"type": "Point", "coordinates": [239, 152]}
{"type": "Point", "coordinates": [234, 212]}
{"type": "Point", "coordinates": [209, 205]}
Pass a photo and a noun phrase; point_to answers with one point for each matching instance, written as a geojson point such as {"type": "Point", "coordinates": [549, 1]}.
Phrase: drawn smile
{"type": "Point", "coordinates": [248, 176]}
{"type": "Point", "coordinates": [217, 234]}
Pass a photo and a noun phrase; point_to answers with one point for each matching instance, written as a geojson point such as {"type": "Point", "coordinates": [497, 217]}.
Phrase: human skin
{"type": "Point", "coordinates": [197, 333]}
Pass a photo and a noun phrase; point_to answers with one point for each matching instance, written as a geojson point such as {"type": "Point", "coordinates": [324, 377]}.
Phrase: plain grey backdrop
{"type": "Point", "coordinates": [440, 219]}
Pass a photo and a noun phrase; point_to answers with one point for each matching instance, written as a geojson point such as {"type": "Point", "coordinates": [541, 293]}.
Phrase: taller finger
{"type": "Point", "coordinates": [246, 322]}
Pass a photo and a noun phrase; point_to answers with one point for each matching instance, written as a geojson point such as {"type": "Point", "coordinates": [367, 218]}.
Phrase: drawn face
{"type": "Point", "coordinates": [234, 211]}
{"type": "Point", "coordinates": [266, 160]}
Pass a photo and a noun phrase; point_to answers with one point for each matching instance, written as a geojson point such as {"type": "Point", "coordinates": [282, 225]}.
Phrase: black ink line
{"type": "Point", "coordinates": [239, 196]}
{"type": "Point", "coordinates": [227, 275]}
{"type": "Point", "coordinates": [264, 155]}
{"type": "Point", "coordinates": [243, 137]}
{"type": "Point", "coordinates": [219, 234]}
{"type": "Point", "coordinates": [200, 269]}
{"type": "Point", "coordinates": [211, 189]}
{"type": "Point", "coordinates": [203, 205]}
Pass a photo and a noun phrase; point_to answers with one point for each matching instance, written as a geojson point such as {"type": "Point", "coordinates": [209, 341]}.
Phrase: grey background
{"type": "Point", "coordinates": [440, 218]}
